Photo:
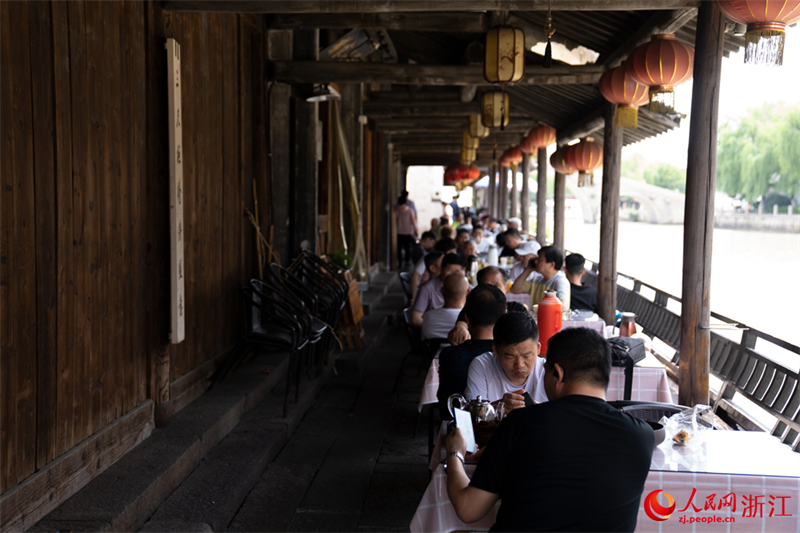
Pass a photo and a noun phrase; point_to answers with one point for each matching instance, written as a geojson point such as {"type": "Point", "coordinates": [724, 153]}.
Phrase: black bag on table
{"type": "Point", "coordinates": [626, 352]}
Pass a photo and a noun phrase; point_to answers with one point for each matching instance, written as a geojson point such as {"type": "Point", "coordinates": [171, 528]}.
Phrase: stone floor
{"type": "Point", "coordinates": [355, 462]}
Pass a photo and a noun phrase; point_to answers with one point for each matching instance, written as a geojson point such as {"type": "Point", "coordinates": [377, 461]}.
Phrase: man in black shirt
{"type": "Point", "coordinates": [485, 305]}
{"type": "Point", "coordinates": [572, 464]}
{"type": "Point", "coordinates": [581, 296]}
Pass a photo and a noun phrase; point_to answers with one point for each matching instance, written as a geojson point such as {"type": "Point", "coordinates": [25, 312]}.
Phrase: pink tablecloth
{"type": "Point", "coordinates": [650, 384]}
{"type": "Point", "coordinates": [776, 490]}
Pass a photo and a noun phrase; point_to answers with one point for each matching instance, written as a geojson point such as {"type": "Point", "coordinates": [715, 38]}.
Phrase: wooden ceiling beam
{"type": "Point", "coordinates": [586, 126]}
{"type": "Point", "coordinates": [346, 72]}
{"type": "Point", "coordinates": [422, 6]}
{"type": "Point", "coordinates": [444, 21]}
{"type": "Point", "coordinates": [430, 109]}
{"type": "Point", "coordinates": [661, 22]}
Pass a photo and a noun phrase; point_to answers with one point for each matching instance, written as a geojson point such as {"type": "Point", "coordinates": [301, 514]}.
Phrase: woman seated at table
{"type": "Point", "coordinates": [572, 464]}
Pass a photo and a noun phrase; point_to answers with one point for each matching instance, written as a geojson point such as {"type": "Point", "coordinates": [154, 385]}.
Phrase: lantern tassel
{"type": "Point", "coordinates": [662, 100]}
{"type": "Point", "coordinates": [548, 55]}
{"type": "Point", "coordinates": [764, 45]}
{"type": "Point", "coordinates": [628, 117]}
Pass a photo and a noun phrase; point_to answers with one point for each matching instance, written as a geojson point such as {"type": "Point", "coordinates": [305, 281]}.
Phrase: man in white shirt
{"type": "Point", "coordinates": [548, 277]}
{"type": "Point", "coordinates": [525, 252]}
{"type": "Point", "coordinates": [513, 368]}
{"type": "Point", "coordinates": [420, 273]}
{"type": "Point", "coordinates": [481, 242]}
{"type": "Point", "coordinates": [437, 323]}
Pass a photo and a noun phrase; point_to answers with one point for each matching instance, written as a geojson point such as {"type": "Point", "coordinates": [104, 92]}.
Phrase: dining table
{"type": "Point", "coordinates": [733, 481]}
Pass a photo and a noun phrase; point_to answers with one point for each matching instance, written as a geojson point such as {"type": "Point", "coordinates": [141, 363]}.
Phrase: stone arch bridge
{"type": "Point", "coordinates": [658, 205]}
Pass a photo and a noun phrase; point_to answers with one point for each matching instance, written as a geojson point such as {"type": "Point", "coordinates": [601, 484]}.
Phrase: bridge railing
{"type": "Point", "coordinates": [754, 376]}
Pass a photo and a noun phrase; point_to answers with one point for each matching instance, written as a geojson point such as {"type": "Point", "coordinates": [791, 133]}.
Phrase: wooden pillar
{"type": "Point", "coordinates": [609, 216]}
{"type": "Point", "coordinates": [514, 209]}
{"type": "Point", "coordinates": [503, 189]}
{"type": "Point", "coordinates": [496, 169]}
{"type": "Point", "coordinates": [541, 197]}
{"type": "Point", "coordinates": [351, 108]}
{"type": "Point", "coordinates": [525, 195]}
{"type": "Point", "coordinates": [280, 147]}
{"type": "Point", "coordinates": [490, 191]}
{"type": "Point", "coordinates": [698, 225]}
{"type": "Point", "coordinates": [305, 187]}
{"type": "Point", "coordinates": [559, 201]}
{"type": "Point", "coordinates": [388, 230]}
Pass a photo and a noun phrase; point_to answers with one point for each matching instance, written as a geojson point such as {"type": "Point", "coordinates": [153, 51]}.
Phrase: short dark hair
{"type": "Point", "coordinates": [402, 200]}
{"type": "Point", "coordinates": [404, 193]}
{"type": "Point", "coordinates": [476, 227]}
{"type": "Point", "coordinates": [445, 245]}
{"type": "Point", "coordinates": [514, 328]}
{"type": "Point", "coordinates": [553, 254]}
{"type": "Point", "coordinates": [462, 229]}
{"type": "Point", "coordinates": [485, 272]}
{"type": "Point", "coordinates": [513, 232]}
{"type": "Point", "coordinates": [575, 263]}
{"type": "Point", "coordinates": [452, 259]}
{"type": "Point", "coordinates": [583, 354]}
{"type": "Point", "coordinates": [485, 305]}
{"type": "Point", "coordinates": [427, 235]}
{"type": "Point", "coordinates": [431, 258]}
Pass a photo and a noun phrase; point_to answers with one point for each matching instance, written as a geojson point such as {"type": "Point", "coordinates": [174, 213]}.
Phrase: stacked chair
{"type": "Point", "coordinates": [296, 309]}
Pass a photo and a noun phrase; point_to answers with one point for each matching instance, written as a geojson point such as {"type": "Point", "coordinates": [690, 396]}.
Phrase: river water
{"type": "Point", "coordinates": [746, 267]}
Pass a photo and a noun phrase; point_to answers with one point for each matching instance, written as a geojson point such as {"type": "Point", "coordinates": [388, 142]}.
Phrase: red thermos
{"type": "Point", "coordinates": [549, 318]}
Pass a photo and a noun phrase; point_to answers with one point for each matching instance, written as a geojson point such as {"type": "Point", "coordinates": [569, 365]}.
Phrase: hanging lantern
{"type": "Point", "coordinates": [515, 155]}
{"type": "Point", "coordinates": [766, 27]}
{"type": "Point", "coordinates": [476, 127]}
{"type": "Point", "coordinates": [505, 159]}
{"type": "Point", "coordinates": [473, 173]}
{"type": "Point", "coordinates": [541, 136]}
{"type": "Point", "coordinates": [469, 155]}
{"type": "Point", "coordinates": [559, 161]}
{"type": "Point", "coordinates": [586, 156]}
{"type": "Point", "coordinates": [526, 146]}
{"type": "Point", "coordinates": [494, 109]}
{"type": "Point", "coordinates": [619, 87]}
{"type": "Point", "coordinates": [504, 60]}
{"type": "Point", "coordinates": [469, 142]}
{"type": "Point", "coordinates": [455, 173]}
{"type": "Point", "coordinates": [662, 64]}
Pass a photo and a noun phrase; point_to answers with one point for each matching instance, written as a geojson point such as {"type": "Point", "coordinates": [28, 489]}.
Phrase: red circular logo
{"type": "Point", "coordinates": [655, 510]}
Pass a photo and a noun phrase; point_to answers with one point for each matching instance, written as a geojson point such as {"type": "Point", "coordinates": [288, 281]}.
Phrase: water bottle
{"type": "Point", "coordinates": [493, 255]}
{"type": "Point", "coordinates": [549, 318]}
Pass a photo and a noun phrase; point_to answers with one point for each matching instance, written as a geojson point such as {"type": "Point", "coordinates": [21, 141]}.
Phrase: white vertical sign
{"type": "Point", "coordinates": [177, 301]}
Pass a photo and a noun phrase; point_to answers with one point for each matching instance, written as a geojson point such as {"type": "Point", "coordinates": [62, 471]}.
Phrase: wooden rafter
{"type": "Point", "coordinates": [452, 21]}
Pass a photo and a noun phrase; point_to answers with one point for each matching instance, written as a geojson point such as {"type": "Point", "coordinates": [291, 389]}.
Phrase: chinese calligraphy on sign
{"type": "Point", "coordinates": [177, 315]}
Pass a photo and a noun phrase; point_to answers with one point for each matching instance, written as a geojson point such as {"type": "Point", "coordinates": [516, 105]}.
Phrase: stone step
{"type": "Point", "coordinates": [356, 360]}
{"type": "Point", "coordinates": [380, 284]}
{"type": "Point", "coordinates": [213, 493]}
{"type": "Point", "coordinates": [128, 492]}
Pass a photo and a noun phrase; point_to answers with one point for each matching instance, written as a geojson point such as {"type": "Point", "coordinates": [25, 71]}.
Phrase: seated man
{"type": "Point", "coordinates": [430, 293]}
{"type": "Point", "coordinates": [425, 245]}
{"type": "Point", "coordinates": [539, 460]}
{"type": "Point", "coordinates": [512, 240]}
{"type": "Point", "coordinates": [436, 323]}
{"type": "Point", "coordinates": [462, 238]}
{"type": "Point", "coordinates": [420, 273]}
{"type": "Point", "coordinates": [548, 277]}
{"type": "Point", "coordinates": [581, 296]}
{"type": "Point", "coordinates": [482, 244]}
{"type": "Point", "coordinates": [516, 223]}
{"type": "Point", "coordinates": [485, 305]}
{"type": "Point", "coordinates": [525, 252]}
{"type": "Point", "coordinates": [490, 275]}
{"type": "Point", "coordinates": [512, 368]}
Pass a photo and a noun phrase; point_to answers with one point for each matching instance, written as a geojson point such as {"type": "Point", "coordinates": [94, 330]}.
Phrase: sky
{"type": "Point", "coordinates": [743, 87]}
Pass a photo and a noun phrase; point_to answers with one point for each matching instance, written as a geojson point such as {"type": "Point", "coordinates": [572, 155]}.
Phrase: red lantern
{"type": "Point", "coordinates": [662, 64]}
{"type": "Point", "coordinates": [473, 173]}
{"type": "Point", "coordinates": [766, 26]}
{"type": "Point", "coordinates": [515, 155]}
{"type": "Point", "coordinates": [526, 146]}
{"type": "Point", "coordinates": [559, 161]}
{"type": "Point", "coordinates": [455, 173]}
{"type": "Point", "coordinates": [586, 156]}
{"type": "Point", "coordinates": [541, 136]}
{"type": "Point", "coordinates": [619, 87]}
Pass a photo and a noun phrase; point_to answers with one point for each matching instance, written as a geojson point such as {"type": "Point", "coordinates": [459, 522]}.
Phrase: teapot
{"type": "Point", "coordinates": [479, 409]}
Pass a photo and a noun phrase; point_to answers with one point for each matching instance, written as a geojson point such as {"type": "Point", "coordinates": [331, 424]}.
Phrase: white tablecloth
{"type": "Point", "coordinates": [762, 474]}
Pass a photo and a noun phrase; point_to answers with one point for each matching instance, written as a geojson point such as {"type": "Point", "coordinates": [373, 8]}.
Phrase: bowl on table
{"type": "Point", "coordinates": [659, 430]}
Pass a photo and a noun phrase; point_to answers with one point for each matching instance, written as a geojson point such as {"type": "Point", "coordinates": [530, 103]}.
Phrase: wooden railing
{"type": "Point", "coordinates": [750, 365]}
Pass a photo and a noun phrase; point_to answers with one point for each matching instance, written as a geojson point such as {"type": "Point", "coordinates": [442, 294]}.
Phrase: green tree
{"type": "Point", "coordinates": [666, 176]}
{"type": "Point", "coordinates": [759, 153]}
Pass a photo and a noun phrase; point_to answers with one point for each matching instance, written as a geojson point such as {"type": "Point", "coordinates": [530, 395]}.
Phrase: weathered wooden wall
{"type": "Point", "coordinates": [84, 279]}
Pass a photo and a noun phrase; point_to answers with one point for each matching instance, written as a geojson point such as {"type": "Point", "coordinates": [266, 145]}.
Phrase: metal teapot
{"type": "Point", "coordinates": [479, 409]}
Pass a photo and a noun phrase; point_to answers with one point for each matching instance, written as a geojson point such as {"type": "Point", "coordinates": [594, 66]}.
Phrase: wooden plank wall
{"type": "Point", "coordinates": [84, 260]}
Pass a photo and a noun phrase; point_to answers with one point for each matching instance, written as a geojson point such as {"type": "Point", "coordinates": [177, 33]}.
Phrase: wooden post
{"type": "Point", "coordinates": [490, 191]}
{"type": "Point", "coordinates": [559, 201]}
{"type": "Point", "coordinates": [388, 242]}
{"type": "Point", "coordinates": [609, 217]}
{"type": "Point", "coordinates": [305, 187]}
{"type": "Point", "coordinates": [514, 210]}
{"type": "Point", "coordinates": [503, 189]}
{"type": "Point", "coordinates": [525, 195]}
{"type": "Point", "coordinates": [496, 169]}
{"type": "Point", "coordinates": [280, 148]}
{"type": "Point", "coordinates": [701, 174]}
{"type": "Point", "coordinates": [541, 197]}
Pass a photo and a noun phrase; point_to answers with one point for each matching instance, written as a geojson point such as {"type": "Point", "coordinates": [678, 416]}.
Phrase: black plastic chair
{"type": "Point", "coordinates": [405, 282]}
